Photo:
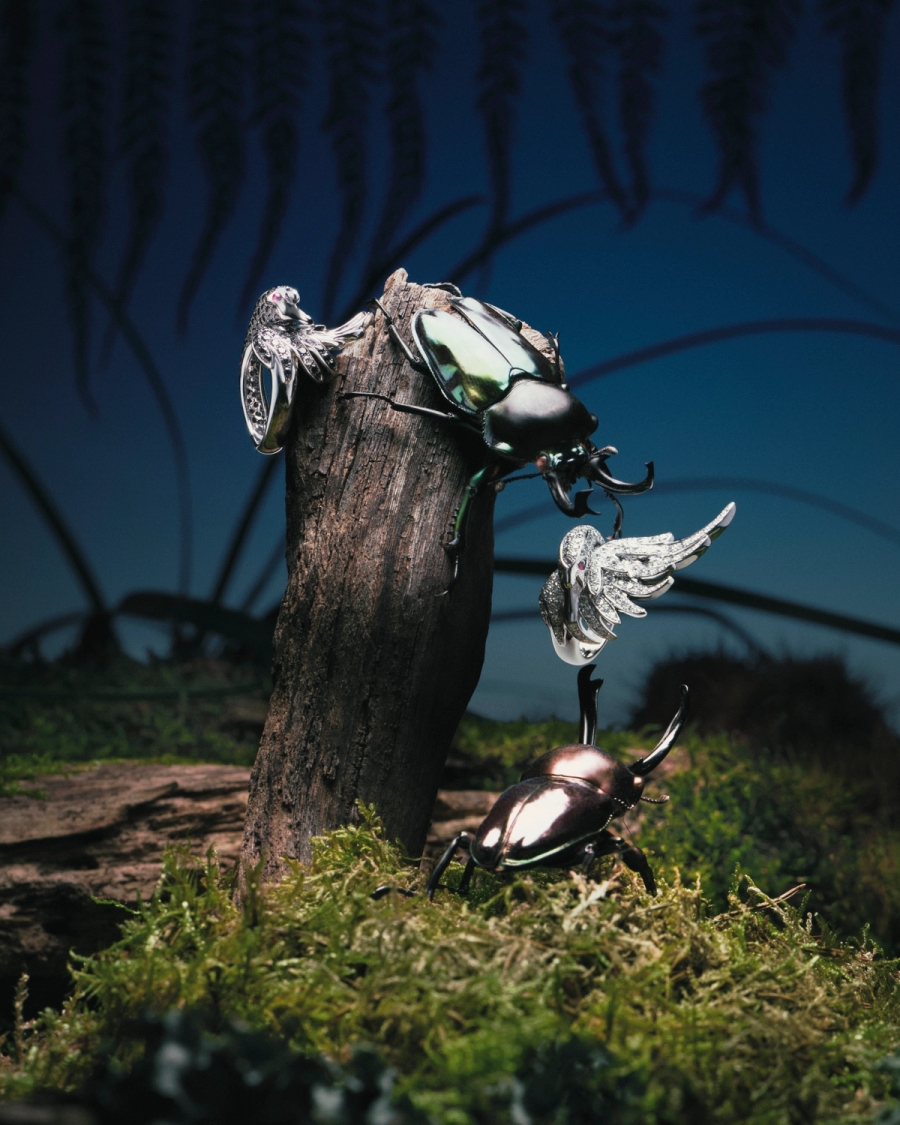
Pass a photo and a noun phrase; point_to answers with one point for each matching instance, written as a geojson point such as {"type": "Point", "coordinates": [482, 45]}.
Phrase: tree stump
{"type": "Point", "coordinates": [373, 669]}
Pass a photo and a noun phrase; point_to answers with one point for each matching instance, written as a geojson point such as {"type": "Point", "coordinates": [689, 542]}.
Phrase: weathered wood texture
{"type": "Point", "coordinates": [100, 834]}
{"type": "Point", "coordinates": [372, 669]}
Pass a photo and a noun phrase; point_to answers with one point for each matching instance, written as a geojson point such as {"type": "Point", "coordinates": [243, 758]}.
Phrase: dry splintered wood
{"type": "Point", "coordinates": [100, 833]}
{"type": "Point", "coordinates": [373, 670]}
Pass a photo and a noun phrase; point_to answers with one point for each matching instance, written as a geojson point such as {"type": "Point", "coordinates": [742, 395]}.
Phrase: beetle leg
{"type": "Point", "coordinates": [444, 862]}
{"type": "Point", "coordinates": [454, 547]}
{"type": "Point", "coordinates": [413, 360]}
{"type": "Point", "coordinates": [386, 889]}
{"type": "Point", "coordinates": [590, 857]}
{"type": "Point", "coordinates": [447, 286]}
{"type": "Point", "coordinates": [633, 857]}
{"type": "Point", "coordinates": [408, 408]}
{"type": "Point", "coordinates": [463, 888]}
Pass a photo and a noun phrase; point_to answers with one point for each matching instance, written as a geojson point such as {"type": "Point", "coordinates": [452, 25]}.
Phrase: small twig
{"type": "Point", "coordinates": [781, 898]}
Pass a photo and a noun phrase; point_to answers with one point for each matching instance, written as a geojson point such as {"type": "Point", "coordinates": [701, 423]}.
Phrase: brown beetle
{"type": "Point", "coordinates": [557, 814]}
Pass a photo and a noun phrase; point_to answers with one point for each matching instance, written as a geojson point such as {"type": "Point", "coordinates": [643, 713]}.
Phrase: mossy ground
{"type": "Point", "coordinates": [749, 1015]}
{"type": "Point", "coordinates": [716, 1002]}
{"type": "Point", "coordinates": [60, 715]}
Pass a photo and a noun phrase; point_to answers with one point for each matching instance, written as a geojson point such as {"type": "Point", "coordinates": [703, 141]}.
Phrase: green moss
{"type": "Point", "coordinates": [783, 823]}
{"type": "Point", "coordinates": [751, 1014]}
{"type": "Point", "coordinates": [166, 711]}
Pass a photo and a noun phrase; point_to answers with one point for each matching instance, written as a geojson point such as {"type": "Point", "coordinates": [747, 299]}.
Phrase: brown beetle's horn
{"type": "Point", "coordinates": [588, 690]}
{"type": "Point", "coordinates": [644, 765]}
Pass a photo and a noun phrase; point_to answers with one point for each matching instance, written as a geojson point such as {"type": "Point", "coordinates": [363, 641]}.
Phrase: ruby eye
{"type": "Point", "coordinates": [275, 297]}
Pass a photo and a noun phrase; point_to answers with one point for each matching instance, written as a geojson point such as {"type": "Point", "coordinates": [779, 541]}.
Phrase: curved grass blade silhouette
{"type": "Point", "coordinates": [392, 258]}
{"type": "Point", "coordinates": [734, 332]}
{"type": "Point", "coordinates": [532, 614]}
{"type": "Point", "coordinates": [53, 517]}
{"type": "Point", "coordinates": [206, 617]}
{"type": "Point", "coordinates": [747, 484]}
{"type": "Point", "coordinates": [733, 595]}
{"type": "Point", "coordinates": [146, 363]}
{"type": "Point", "coordinates": [493, 242]}
{"type": "Point", "coordinates": [266, 574]}
{"type": "Point", "coordinates": [242, 528]}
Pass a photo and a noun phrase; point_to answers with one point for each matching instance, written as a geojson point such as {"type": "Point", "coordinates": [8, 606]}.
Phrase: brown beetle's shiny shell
{"type": "Point", "coordinates": [591, 764]}
{"type": "Point", "coordinates": [540, 821]}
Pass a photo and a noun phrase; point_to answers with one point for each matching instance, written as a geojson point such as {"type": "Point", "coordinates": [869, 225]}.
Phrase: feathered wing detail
{"type": "Point", "coordinates": [283, 339]}
{"type": "Point", "coordinates": [597, 579]}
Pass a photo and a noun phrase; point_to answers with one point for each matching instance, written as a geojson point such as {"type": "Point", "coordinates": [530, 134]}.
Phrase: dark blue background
{"type": "Point", "coordinates": [816, 411]}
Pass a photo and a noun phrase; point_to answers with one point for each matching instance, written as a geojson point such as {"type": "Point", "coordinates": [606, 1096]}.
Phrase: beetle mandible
{"type": "Point", "coordinates": [503, 388]}
{"type": "Point", "coordinates": [557, 814]}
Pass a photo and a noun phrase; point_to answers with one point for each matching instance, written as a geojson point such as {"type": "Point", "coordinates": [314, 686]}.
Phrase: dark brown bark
{"type": "Point", "coordinates": [372, 669]}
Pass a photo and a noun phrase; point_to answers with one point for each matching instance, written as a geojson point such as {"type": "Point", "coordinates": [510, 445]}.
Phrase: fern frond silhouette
{"type": "Point", "coordinates": [143, 131]}
{"type": "Point", "coordinates": [83, 102]}
{"type": "Point", "coordinates": [635, 29]}
{"type": "Point", "coordinates": [217, 72]}
{"type": "Point", "coordinates": [582, 26]}
{"type": "Point", "coordinates": [410, 49]}
{"type": "Point", "coordinates": [503, 36]}
{"type": "Point", "coordinates": [745, 41]}
{"type": "Point", "coordinates": [18, 38]}
{"type": "Point", "coordinates": [352, 37]}
{"type": "Point", "coordinates": [859, 25]}
{"type": "Point", "coordinates": [280, 70]}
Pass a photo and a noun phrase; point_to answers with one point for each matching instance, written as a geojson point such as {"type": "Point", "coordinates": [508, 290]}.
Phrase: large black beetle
{"type": "Point", "coordinates": [503, 388]}
{"type": "Point", "coordinates": [557, 815]}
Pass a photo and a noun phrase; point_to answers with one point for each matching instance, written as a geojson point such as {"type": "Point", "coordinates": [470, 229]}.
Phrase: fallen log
{"type": "Point", "coordinates": [100, 833]}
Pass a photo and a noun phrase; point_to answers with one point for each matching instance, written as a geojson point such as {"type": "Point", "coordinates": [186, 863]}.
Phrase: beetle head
{"type": "Point", "coordinates": [586, 762]}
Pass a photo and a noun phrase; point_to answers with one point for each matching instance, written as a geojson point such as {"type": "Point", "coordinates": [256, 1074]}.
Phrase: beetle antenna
{"type": "Point", "coordinates": [645, 765]}
{"type": "Point", "coordinates": [521, 476]}
{"type": "Point", "coordinates": [553, 337]}
{"type": "Point", "coordinates": [588, 690]}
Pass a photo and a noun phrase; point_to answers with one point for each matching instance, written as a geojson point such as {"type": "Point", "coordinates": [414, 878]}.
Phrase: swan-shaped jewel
{"type": "Point", "coordinates": [597, 578]}
{"type": "Point", "coordinates": [283, 339]}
